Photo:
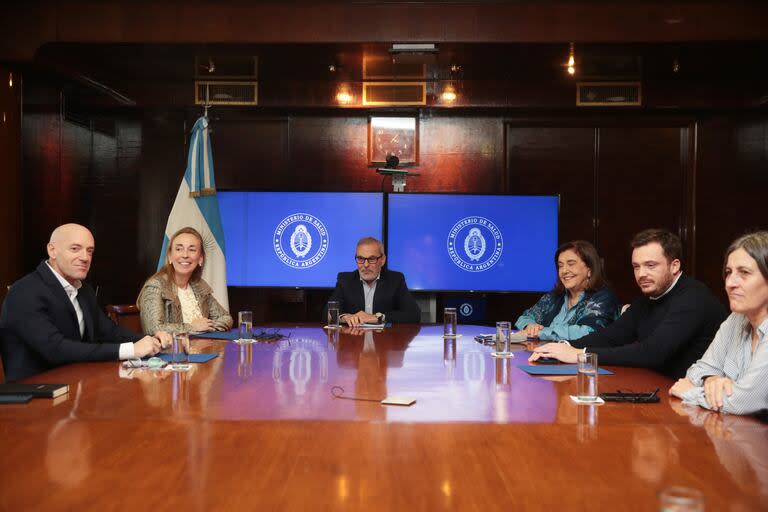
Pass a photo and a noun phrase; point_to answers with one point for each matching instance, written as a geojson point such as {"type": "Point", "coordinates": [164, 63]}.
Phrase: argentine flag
{"type": "Point", "coordinates": [197, 206]}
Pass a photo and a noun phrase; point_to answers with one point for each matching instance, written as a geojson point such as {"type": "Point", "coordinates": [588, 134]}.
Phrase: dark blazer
{"type": "Point", "coordinates": [391, 297]}
{"type": "Point", "coordinates": [40, 329]}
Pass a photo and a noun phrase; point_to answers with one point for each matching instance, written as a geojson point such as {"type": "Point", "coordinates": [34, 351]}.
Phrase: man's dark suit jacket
{"type": "Point", "coordinates": [391, 297]}
{"type": "Point", "coordinates": [39, 328]}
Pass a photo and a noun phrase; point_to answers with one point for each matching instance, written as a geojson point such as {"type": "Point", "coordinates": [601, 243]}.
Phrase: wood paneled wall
{"type": "Point", "coordinates": [702, 174]}
{"type": "Point", "coordinates": [730, 188]}
{"type": "Point", "coordinates": [10, 176]}
{"type": "Point", "coordinates": [614, 175]}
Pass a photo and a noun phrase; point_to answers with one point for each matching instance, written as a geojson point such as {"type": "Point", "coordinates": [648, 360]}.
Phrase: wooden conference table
{"type": "Point", "coordinates": [257, 428]}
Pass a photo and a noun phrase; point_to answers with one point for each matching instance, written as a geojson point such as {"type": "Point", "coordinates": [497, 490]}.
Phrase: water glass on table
{"type": "Point", "coordinates": [334, 310]}
{"type": "Point", "coordinates": [503, 332]}
{"type": "Point", "coordinates": [245, 326]}
{"type": "Point", "coordinates": [586, 380]}
{"type": "Point", "coordinates": [180, 350]}
{"type": "Point", "coordinates": [449, 323]}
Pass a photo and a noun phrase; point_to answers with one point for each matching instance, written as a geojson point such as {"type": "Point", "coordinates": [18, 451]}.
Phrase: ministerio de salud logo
{"type": "Point", "coordinates": [475, 244]}
{"type": "Point", "coordinates": [300, 241]}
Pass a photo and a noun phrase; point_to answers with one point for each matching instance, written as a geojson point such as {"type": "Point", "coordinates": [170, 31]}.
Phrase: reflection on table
{"type": "Point", "coordinates": [243, 430]}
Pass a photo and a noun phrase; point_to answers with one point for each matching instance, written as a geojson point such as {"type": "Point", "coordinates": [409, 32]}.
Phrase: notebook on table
{"type": "Point", "coordinates": [36, 390]}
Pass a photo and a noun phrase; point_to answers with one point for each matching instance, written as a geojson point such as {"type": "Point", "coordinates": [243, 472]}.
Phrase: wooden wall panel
{"type": "Point", "coordinates": [113, 187]}
{"type": "Point", "coordinates": [556, 161]}
{"type": "Point", "coordinates": [328, 153]}
{"type": "Point", "coordinates": [641, 184]}
{"type": "Point", "coordinates": [124, 185]}
{"type": "Point", "coordinates": [74, 181]}
{"type": "Point", "coordinates": [41, 173]}
{"type": "Point", "coordinates": [252, 154]}
{"type": "Point", "coordinates": [546, 160]}
{"type": "Point", "coordinates": [163, 160]}
{"type": "Point", "coordinates": [731, 189]}
{"type": "Point", "coordinates": [459, 154]}
{"type": "Point", "coordinates": [10, 176]}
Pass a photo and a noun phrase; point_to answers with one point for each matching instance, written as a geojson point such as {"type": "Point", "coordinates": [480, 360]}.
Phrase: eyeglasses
{"type": "Point", "coordinates": [631, 396]}
{"type": "Point", "coordinates": [152, 362]}
{"type": "Point", "coordinates": [371, 261]}
{"type": "Point", "coordinates": [267, 335]}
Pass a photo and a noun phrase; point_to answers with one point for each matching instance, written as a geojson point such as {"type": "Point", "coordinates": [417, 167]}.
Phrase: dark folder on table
{"type": "Point", "coordinates": [36, 390]}
{"type": "Point", "coordinates": [15, 399]}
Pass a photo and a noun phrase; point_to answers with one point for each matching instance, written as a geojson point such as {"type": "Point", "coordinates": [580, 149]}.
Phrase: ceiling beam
{"type": "Point", "coordinates": [26, 27]}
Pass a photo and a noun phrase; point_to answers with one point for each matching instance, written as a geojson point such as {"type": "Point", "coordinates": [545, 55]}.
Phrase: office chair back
{"type": "Point", "coordinates": [125, 315]}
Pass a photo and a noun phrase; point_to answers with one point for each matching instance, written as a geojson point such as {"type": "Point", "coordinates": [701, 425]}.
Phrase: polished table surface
{"type": "Point", "coordinates": [259, 428]}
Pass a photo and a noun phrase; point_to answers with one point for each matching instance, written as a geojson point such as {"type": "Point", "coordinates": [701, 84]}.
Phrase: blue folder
{"type": "Point", "coordinates": [557, 369]}
{"type": "Point", "coordinates": [220, 335]}
{"type": "Point", "coordinates": [193, 358]}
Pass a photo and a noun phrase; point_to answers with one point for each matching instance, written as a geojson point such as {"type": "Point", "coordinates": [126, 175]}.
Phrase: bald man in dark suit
{"type": "Point", "coordinates": [50, 317]}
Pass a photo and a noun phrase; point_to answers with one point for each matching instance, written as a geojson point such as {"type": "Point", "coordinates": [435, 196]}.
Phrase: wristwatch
{"type": "Point", "coordinates": [381, 316]}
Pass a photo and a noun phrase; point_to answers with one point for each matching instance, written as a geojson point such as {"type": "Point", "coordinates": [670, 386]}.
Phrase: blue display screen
{"type": "Point", "coordinates": [295, 239]}
{"type": "Point", "coordinates": [473, 242]}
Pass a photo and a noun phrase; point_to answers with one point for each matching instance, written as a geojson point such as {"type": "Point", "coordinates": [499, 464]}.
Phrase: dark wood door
{"type": "Point", "coordinates": [641, 184]}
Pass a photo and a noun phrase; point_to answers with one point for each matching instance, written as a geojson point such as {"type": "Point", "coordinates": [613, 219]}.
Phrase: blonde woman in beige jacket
{"type": "Point", "coordinates": [176, 298]}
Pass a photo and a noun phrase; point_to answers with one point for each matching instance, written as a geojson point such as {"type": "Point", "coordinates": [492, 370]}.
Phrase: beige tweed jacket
{"type": "Point", "coordinates": [161, 310]}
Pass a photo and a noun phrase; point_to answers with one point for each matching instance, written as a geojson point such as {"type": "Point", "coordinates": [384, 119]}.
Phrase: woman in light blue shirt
{"type": "Point", "coordinates": [731, 375]}
{"type": "Point", "coordinates": [581, 301]}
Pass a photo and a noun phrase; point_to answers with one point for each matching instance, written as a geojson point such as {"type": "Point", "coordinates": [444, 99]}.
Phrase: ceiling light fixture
{"type": "Point", "coordinates": [343, 96]}
{"type": "Point", "coordinates": [449, 94]}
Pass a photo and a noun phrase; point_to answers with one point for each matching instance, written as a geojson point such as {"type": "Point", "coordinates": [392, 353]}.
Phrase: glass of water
{"type": "Point", "coordinates": [245, 326]}
{"type": "Point", "coordinates": [449, 322]}
{"type": "Point", "coordinates": [586, 381]}
{"type": "Point", "coordinates": [503, 331]}
{"type": "Point", "coordinates": [333, 314]}
{"type": "Point", "coordinates": [180, 350]}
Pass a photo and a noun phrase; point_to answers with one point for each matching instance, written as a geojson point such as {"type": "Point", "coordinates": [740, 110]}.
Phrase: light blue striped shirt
{"type": "Point", "coordinates": [730, 355]}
